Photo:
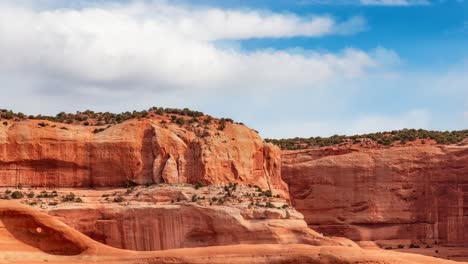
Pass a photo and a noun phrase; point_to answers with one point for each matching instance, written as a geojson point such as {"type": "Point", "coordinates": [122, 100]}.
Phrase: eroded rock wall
{"type": "Point", "coordinates": [141, 151]}
{"type": "Point", "coordinates": [413, 192]}
{"type": "Point", "coordinates": [146, 228]}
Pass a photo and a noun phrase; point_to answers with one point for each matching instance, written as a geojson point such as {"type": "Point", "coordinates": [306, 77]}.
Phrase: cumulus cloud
{"type": "Point", "coordinates": [159, 46]}
{"type": "Point", "coordinates": [395, 2]}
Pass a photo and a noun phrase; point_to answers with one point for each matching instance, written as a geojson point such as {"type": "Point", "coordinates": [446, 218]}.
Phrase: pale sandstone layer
{"type": "Point", "coordinates": [417, 193]}
{"type": "Point", "coordinates": [168, 217]}
{"type": "Point", "coordinates": [141, 151]}
{"type": "Point", "coordinates": [30, 236]}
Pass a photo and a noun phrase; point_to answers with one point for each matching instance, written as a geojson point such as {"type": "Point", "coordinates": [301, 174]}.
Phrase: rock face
{"type": "Point", "coordinates": [418, 193]}
{"type": "Point", "coordinates": [141, 151]}
{"type": "Point", "coordinates": [30, 236]}
{"type": "Point", "coordinates": [148, 228]}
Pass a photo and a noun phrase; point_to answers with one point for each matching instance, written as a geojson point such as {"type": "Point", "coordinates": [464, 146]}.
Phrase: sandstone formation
{"type": "Point", "coordinates": [152, 150]}
{"type": "Point", "coordinates": [168, 217]}
{"type": "Point", "coordinates": [29, 236]}
{"type": "Point", "coordinates": [418, 193]}
{"type": "Point", "coordinates": [147, 228]}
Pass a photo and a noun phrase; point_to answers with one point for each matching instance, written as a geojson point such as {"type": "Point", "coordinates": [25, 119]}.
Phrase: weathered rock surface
{"type": "Point", "coordinates": [419, 193]}
{"type": "Point", "coordinates": [147, 228]}
{"type": "Point", "coordinates": [167, 217]}
{"type": "Point", "coordinates": [26, 241]}
{"type": "Point", "coordinates": [141, 151]}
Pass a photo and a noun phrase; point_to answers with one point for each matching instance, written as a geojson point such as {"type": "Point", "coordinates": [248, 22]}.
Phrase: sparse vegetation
{"type": "Point", "coordinates": [382, 138]}
{"type": "Point", "coordinates": [45, 194]}
{"type": "Point", "coordinates": [89, 117]}
{"type": "Point", "coordinates": [98, 130]}
{"type": "Point", "coordinates": [180, 121]}
{"type": "Point", "coordinates": [69, 197]}
{"type": "Point", "coordinates": [222, 123]}
{"type": "Point", "coordinates": [118, 199]}
{"type": "Point", "coordinates": [17, 195]}
{"type": "Point", "coordinates": [197, 185]}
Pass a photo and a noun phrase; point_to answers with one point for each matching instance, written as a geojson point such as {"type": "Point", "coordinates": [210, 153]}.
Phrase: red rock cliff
{"type": "Point", "coordinates": [412, 192]}
{"type": "Point", "coordinates": [142, 151]}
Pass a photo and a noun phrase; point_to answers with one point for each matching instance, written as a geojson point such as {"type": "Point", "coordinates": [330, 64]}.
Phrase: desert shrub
{"type": "Point", "coordinates": [130, 184]}
{"type": "Point", "coordinates": [270, 205]}
{"type": "Point", "coordinates": [222, 125]}
{"type": "Point", "coordinates": [401, 246]}
{"type": "Point", "coordinates": [413, 246]}
{"type": "Point", "coordinates": [198, 185]}
{"type": "Point", "coordinates": [53, 203]}
{"type": "Point", "coordinates": [98, 130]}
{"type": "Point", "coordinates": [118, 199]}
{"type": "Point", "coordinates": [384, 138]}
{"type": "Point", "coordinates": [130, 189]}
{"type": "Point", "coordinates": [45, 194]}
{"type": "Point", "coordinates": [180, 121]}
{"type": "Point", "coordinates": [31, 194]}
{"type": "Point", "coordinates": [17, 195]}
{"type": "Point", "coordinates": [195, 198]}
{"type": "Point", "coordinates": [69, 197]}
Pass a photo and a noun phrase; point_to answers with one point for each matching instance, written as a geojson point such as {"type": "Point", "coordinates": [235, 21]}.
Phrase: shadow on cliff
{"type": "Point", "coordinates": [28, 230]}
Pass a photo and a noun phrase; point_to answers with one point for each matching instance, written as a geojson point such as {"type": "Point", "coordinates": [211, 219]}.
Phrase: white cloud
{"type": "Point", "coordinates": [395, 2]}
{"type": "Point", "coordinates": [160, 47]}
{"type": "Point", "coordinates": [215, 23]}
{"type": "Point", "coordinates": [367, 2]}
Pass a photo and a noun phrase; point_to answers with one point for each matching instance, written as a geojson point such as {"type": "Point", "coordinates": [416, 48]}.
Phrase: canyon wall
{"type": "Point", "coordinates": [41, 153]}
{"type": "Point", "coordinates": [160, 227]}
{"type": "Point", "coordinates": [382, 193]}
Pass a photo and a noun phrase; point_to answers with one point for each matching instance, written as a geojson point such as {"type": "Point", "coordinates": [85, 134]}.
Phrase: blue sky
{"type": "Point", "coordinates": [286, 68]}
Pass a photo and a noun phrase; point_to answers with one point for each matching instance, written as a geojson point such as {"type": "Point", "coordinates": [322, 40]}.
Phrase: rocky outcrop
{"type": "Point", "coordinates": [26, 240]}
{"type": "Point", "coordinates": [147, 228]}
{"type": "Point", "coordinates": [153, 150]}
{"type": "Point", "coordinates": [418, 193]}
